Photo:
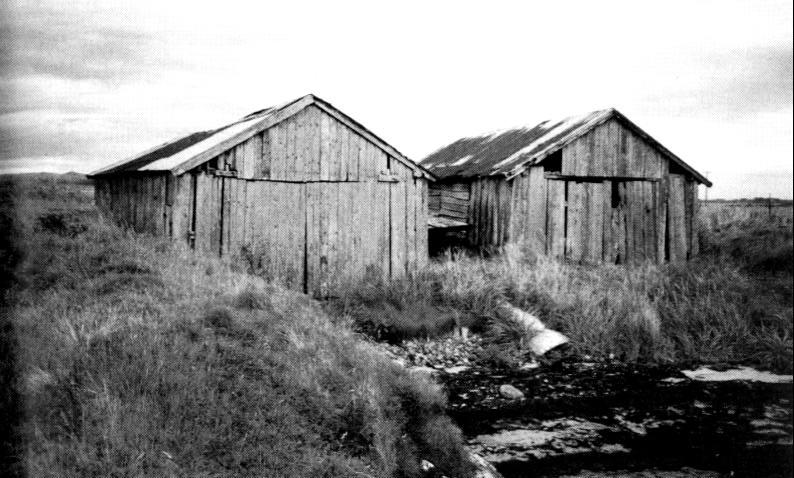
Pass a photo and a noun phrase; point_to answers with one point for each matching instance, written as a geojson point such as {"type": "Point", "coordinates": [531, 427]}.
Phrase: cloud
{"type": "Point", "coordinates": [69, 42]}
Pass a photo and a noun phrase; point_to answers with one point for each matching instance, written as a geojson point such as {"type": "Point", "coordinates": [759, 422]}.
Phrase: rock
{"type": "Point", "coordinates": [426, 466]}
{"type": "Point", "coordinates": [511, 392]}
{"type": "Point", "coordinates": [426, 371]}
{"type": "Point", "coordinates": [456, 370]}
{"type": "Point", "coordinates": [529, 366]}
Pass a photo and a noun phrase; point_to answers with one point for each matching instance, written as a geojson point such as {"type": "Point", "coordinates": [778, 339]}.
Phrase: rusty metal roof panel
{"type": "Point", "coordinates": [508, 152]}
{"type": "Point", "coordinates": [501, 152]}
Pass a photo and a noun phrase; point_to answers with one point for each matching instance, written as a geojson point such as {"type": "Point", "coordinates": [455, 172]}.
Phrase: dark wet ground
{"type": "Point", "coordinates": [595, 417]}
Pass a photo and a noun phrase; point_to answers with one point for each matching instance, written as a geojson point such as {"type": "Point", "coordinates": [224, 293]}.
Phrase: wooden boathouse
{"type": "Point", "coordinates": [311, 194]}
{"type": "Point", "coordinates": [590, 188]}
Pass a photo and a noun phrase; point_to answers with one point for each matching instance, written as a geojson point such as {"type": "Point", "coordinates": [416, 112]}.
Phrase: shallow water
{"type": "Point", "coordinates": [612, 419]}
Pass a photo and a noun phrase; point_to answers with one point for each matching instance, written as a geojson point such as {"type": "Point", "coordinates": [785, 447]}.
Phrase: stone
{"type": "Point", "coordinates": [426, 466]}
{"type": "Point", "coordinates": [456, 370]}
{"type": "Point", "coordinates": [511, 392]}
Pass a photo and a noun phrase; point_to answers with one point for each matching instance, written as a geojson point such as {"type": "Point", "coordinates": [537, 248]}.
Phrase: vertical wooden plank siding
{"type": "Point", "coordinates": [609, 251]}
{"type": "Point", "coordinates": [421, 225]}
{"type": "Point", "coordinates": [661, 215]}
{"type": "Point", "coordinates": [694, 246]}
{"type": "Point", "coordinates": [556, 218]}
{"type": "Point", "coordinates": [595, 219]}
{"type": "Point", "coordinates": [677, 227]}
{"type": "Point", "coordinates": [306, 197]}
{"type": "Point", "coordinates": [620, 231]}
{"type": "Point", "coordinates": [574, 234]}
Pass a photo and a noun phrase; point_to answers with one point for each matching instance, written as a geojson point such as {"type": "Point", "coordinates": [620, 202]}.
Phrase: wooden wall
{"type": "Point", "coordinates": [309, 146]}
{"type": "Point", "coordinates": [318, 204]}
{"type": "Point", "coordinates": [489, 212]}
{"type": "Point", "coordinates": [612, 150]}
{"type": "Point", "coordinates": [528, 217]}
{"type": "Point", "coordinates": [613, 200]}
{"type": "Point", "coordinates": [450, 199]}
{"type": "Point", "coordinates": [314, 202]}
{"type": "Point", "coordinates": [139, 202]}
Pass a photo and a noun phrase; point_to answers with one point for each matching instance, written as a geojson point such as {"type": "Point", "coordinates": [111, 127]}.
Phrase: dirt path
{"type": "Point", "coordinates": [610, 419]}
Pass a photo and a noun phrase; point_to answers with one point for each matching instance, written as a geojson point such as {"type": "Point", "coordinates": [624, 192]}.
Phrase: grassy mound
{"type": "Point", "coordinates": [140, 359]}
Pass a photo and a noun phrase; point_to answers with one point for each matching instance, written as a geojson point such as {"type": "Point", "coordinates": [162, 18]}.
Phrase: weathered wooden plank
{"type": "Point", "coordinates": [635, 223]}
{"type": "Point", "coordinates": [536, 209]}
{"type": "Point", "coordinates": [140, 201]}
{"type": "Point", "coordinates": [398, 229]}
{"type": "Point", "coordinates": [575, 238]}
{"type": "Point", "coordinates": [694, 246]}
{"type": "Point", "coordinates": [621, 232]}
{"type": "Point", "coordinates": [383, 226]}
{"type": "Point", "coordinates": [314, 143]}
{"type": "Point", "coordinates": [410, 225]}
{"type": "Point", "coordinates": [327, 167]}
{"type": "Point", "coordinates": [661, 219]}
{"type": "Point", "coordinates": [295, 170]}
{"type": "Point", "coordinates": [348, 165]}
{"type": "Point", "coordinates": [421, 224]}
{"type": "Point", "coordinates": [336, 168]}
{"type": "Point", "coordinates": [677, 229]}
{"type": "Point", "coordinates": [613, 131]}
{"type": "Point", "coordinates": [298, 146]}
{"type": "Point", "coordinates": [598, 145]}
{"type": "Point", "coordinates": [595, 219]}
{"type": "Point", "coordinates": [490, 199]}
{"type": "Point", "coordinates": [556, 218]}
{"type": "Point", "coordinates": [609, 251]}
{"type": "Point", "coordinates": [183, 199]}
{"type": "Point", "coordinates": [688, 215]}
{"type": "Point", "coordinates": [517, 220]}
{"type": "Point", "coordinates": [159, 226]}
{"type": "Point", "coordinates": [623, 145]}
{"type": "Point", "coordinates": [570, 157]}
{"type": "Point", "coordinates": [649, 225]}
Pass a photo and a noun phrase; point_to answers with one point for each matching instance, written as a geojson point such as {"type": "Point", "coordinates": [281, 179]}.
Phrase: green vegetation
{"type": "Point", "coordinates": [732, 304]}
{"type": "Point", "coordinates": [137, 358]}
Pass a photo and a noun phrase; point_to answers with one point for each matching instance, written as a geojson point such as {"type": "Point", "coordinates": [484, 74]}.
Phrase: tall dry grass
{"type": "Point", "coordinates": [716, 308]}
{"type": "Point", "coordinates": [138, 358]}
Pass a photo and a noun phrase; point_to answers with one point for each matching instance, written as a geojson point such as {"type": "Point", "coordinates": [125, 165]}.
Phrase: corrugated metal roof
{"type": "Point", "coordinates": [507, 152]}
{"type": "Point", "coordinates": [173, 153]}
{"type": "Point", "coordinates": [183, 153]}
{"type": "Point", "coordinates": [501, 151]}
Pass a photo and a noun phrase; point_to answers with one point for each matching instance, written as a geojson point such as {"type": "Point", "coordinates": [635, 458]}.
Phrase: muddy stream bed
{"type": "Point", "coordinates": [611, 419]}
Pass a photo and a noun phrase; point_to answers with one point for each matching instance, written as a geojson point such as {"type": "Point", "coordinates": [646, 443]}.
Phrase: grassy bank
{"type": "Point", "coordinates": [732, 304]}
{"type": "Point", "coordinates": [140, 359]}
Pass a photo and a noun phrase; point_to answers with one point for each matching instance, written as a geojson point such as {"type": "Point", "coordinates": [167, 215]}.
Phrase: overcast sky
{"type": "Point", "coordinates": [87, 83]}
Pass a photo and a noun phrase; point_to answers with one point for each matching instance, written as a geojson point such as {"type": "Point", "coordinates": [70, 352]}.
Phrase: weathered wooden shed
{"type": "Point", "coordinates": [302, 188]}
{"type": "Point", "coordinates": [589, 188]}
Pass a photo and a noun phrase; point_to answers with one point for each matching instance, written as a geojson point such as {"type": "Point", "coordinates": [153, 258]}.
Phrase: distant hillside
{"type": "Point", "coordinates": [27, 178]}
{"type": "Point", "coordinates": [751, 201]}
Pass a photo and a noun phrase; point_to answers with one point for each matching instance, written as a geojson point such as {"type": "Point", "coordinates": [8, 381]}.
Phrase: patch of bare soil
{"type": "Point", "coordinates": [609, 419]}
